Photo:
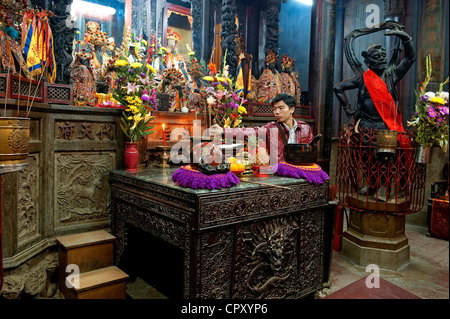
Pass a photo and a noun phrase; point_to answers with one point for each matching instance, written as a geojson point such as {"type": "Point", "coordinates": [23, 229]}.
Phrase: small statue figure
{"type": "Point", "coordinates": [83, 82]}
{"type": "Point", "coordinates": [244, 71]}
{"type": "Point", "coordinates": [269, 83]}
{"type": "Point", "coordinates": [173, 84]}
{"type": "Point", "coordinates": [289, 79]}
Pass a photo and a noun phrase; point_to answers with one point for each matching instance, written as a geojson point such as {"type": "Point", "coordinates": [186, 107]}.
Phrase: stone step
{"type": "Point", "coordinates": [89, 250]}
{"type": "Point", "coordinates": [105, 283]}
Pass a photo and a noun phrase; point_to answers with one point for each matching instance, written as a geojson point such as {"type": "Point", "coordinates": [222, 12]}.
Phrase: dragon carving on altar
{"type": "Point", "coordinates": [271, 259]}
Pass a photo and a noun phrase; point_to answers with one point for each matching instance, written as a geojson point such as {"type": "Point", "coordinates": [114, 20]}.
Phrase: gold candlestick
{"type": "Point", "coordinates": [165, 157]}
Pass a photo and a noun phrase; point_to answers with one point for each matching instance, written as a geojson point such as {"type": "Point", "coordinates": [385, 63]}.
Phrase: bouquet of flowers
{"type": "Point", "coordinates": [135, 89]}
{"type": "Point", "coordinates": [431, 117]}
{"type": "Point", "coordinates": [224, 103]}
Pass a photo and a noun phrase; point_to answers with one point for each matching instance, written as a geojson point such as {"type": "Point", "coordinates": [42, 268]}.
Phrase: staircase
{"type": "Point", "coordinates": [90, 271]}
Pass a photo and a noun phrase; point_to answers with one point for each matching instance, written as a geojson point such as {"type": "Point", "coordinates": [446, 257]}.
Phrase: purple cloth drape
{"type": "Point", "coordinates": [185, 176]}
{"type": "Point", "coordinates": [313, 173]}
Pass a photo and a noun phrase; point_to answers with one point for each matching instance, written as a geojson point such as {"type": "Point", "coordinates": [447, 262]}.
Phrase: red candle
{"type": "Point", "coordinates": [164, 135]}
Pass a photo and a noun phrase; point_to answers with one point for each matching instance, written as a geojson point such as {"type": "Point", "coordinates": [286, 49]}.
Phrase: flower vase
{"type": "Point", "coordinates": [424, 154]}
{"type": "Point", "coordinates": [131, 157]}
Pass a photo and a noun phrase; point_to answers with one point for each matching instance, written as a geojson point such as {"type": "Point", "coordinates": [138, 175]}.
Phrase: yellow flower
{"type": "Point", "coordinates": [152, 69]}
{"type": "Point", "coordinates": [147, 117]}
{"type": "Point", "coordinates": [121, 63]}
{"type": "Point", "coordinates": [136, 65]}
{"type": "Point", "coordinates": [134, 109]}
{"type": "Point", "coordinates": [226, 122]}
{"type": "Point", "coordinates": [221, 79]}
{"type": "Point", "coordinates": [164, 49]}
{"type": "Point", "coordinates": [191, 53]}
{"type": "Point", "coordinates": [242, 110]}
{"type": "Point", "coordinates": [208, 78]}
{"type": "Point", "coordinates": [438, 100]}
{"type": "Point", "coordinates": [137, 118]}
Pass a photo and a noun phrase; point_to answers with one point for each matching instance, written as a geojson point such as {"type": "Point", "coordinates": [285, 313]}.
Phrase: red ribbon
{"type": "Point", "coordinates": [383, 101]}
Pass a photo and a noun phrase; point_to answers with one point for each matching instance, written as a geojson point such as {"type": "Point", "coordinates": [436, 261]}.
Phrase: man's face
{"type": "Point", "coordinates": [282, 111]}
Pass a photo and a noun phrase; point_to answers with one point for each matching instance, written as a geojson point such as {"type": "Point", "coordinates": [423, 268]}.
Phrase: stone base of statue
{"type": "Point", "coordinates": [376, 238]}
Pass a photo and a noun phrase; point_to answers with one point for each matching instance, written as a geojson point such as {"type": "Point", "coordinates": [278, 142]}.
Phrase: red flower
{"type": "Point", "coordinates": [234, 116]}
{"type": "Point", "coordinates": [212, 68]}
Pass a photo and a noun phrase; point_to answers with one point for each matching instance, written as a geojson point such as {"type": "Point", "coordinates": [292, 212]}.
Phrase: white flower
{"type": "Point", "coordinates": [211, 100]}
{"type": "Point", "coordinates": [430, 95]}
{"type": "Point", "coordinates": [130, 59]}
{"type": "Point", "coordinates": [443, 95]}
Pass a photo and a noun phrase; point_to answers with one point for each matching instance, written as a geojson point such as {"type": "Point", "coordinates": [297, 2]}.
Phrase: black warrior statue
{"type": "Point", "coordinates": [376, 106]}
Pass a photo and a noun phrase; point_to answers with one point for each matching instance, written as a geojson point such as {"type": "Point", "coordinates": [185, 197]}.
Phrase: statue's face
{"type": "Point", "coordinates": [376, 59]}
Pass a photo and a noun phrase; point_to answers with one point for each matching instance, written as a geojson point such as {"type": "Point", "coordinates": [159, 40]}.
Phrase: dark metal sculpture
{"type": "Point", "coordinates": [376, 60]}
{"type": "Point", "coordinates": [367, 161]}
{"type": "Point", "coordinates": [63, 35]}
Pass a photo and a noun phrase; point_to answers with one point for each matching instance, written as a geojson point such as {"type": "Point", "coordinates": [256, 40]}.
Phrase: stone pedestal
{"type": "Point", "coordinates": [376, 238]}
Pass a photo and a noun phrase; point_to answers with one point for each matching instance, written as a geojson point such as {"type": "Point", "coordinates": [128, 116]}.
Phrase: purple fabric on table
{"type": "Point", "coordinates": [313, 174]}
{"type": "Point", "coordinates": [185, 176]}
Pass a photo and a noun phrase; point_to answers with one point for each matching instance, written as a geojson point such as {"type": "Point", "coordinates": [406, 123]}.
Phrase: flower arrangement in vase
{"type": "Point", "coordinates": [431, 116]}
{"type": "Point", "coordinates": [135, 89]}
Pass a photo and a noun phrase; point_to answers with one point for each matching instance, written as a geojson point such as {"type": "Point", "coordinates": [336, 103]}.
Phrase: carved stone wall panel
{"type": "Point", "coordinates": [28, 201]}
{"type": "Point", "coordinates": [81, 192]}
{"type": "Point", "coordinates": [262, 203]}
{"type": "Point", "coordinates": [216, 264]}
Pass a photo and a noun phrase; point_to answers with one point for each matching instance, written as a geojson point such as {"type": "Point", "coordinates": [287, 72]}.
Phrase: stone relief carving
{"type": "Point", "coordinates": [81, 187]}
{"type": "Point", "coordinates": [32, 279]}
{"type": "Point", "coordinates": [28, 201]}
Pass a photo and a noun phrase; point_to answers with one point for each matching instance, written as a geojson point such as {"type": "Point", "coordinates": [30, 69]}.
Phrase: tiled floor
{"type": "Point", "coordinates": [426, 276]}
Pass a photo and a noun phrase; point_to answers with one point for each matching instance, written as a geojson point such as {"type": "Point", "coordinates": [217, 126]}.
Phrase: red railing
{"type": "Point", "coordinates": [375, 181]}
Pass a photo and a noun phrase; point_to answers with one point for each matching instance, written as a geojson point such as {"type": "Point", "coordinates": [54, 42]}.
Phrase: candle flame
{"type": "Point", "coordinates": [164, 126]}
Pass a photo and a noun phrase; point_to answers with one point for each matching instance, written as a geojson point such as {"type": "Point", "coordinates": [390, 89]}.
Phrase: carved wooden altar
{"type": "Point", "coordinates": [248, 241]}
